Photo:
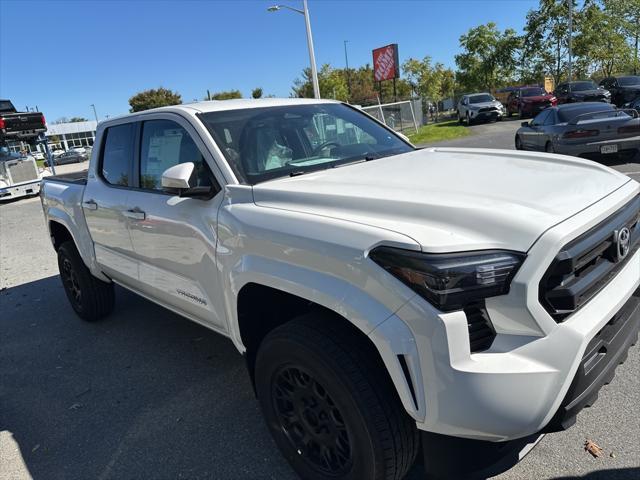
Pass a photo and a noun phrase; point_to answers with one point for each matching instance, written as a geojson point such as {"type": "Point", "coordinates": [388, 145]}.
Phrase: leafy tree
{"type": "Point", "coordinates": [78, 119]}
{"type": "Point", "coordinates": [433, 82]}
{"type": "Point", "coordinates": [600, 46]}
{"type": "Point", "coordinates": [545, 45]}
{"type": "Point", "coordinates": [489, 57]}
{"type": "Point", "coordinates": [332, 84]}
{"type": "Point", "coordinates": [61, 120]}
{"type": "Point", "coordinates": [364, 90]}
{"type": "Point", "coordinates": [256, 92]}
{"type": "Point", "coordinates": [226, 95]}
{"type": "Point", "coordinates": [153, 98]}
{"type": "Point", "coordinates": [627, 13]}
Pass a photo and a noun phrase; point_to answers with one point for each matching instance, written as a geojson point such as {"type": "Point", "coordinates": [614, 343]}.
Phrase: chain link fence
{"type": "Point", "coordinates": [401, 116]}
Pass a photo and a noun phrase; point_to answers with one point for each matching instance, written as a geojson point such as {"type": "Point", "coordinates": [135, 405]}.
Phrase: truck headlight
{"type": "Point", "coordinates": [451, 281]}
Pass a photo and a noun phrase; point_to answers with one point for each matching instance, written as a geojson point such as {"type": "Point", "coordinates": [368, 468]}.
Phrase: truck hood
{"type": "Point", "coordinates": [449, 199]}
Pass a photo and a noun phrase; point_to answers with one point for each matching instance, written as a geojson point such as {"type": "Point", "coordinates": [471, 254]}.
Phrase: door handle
{"type": "Point", "coordinates": [135, 214]}
{"type": "Point", "coordinates": [90, 205]}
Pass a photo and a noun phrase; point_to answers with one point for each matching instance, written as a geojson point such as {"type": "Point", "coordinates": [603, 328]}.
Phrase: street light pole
{"type": "Point", "coordinates": [312, 56]}
{"type": "Point", "coordinates": [94, 112]}
{"type": "Point", "coordinates": [346, 62]}
{"type": "Point", "coordinates": [570, 37]}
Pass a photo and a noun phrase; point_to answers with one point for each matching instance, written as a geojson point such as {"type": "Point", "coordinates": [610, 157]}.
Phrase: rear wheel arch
{"type": "Point", "coordinates": [59, 234]}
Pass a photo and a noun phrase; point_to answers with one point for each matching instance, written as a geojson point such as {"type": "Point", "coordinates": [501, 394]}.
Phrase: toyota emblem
{"type": "Point", "coordinates": [623, 240]}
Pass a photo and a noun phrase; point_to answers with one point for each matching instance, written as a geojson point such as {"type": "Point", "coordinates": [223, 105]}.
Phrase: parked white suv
{"type": "Point", "coordinates": [384, 297]}
{"type": "Point", "coordinates": [480, 107]}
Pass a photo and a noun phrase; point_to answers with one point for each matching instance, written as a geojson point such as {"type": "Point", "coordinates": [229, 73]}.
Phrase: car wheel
{"type": "Point", "coordinates": [91, 299]}
{"type": "Point", "coordinates": [549, 148]}
{"type": "Point", "coordinates": [329, 405]}
{"type": "Point", "coordinates": [518, 143]}
{"type": "Point", "coordinates": [520, 113]}
{"type": "Point", "coordinates": [468, 120]}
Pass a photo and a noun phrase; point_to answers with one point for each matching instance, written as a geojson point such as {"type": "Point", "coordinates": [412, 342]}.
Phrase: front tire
{"type": "Point", "coordinates": [329, 404]}
{"type": "Point", "coordinates": [518, 143]}
{"type": "Point", "coordinates": [91, 299]}
{"type": "Point", "coordinates": [549, 148]}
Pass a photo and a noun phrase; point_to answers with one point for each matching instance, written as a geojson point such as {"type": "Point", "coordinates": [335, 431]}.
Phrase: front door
{"type": "Point", "coordinates": [105, 203]}
{"type": "Point", "coordinates": [174, 237]}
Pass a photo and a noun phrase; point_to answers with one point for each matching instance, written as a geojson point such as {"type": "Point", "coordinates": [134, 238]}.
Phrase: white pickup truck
{"type": "Point", "coordinates": [386, 298]}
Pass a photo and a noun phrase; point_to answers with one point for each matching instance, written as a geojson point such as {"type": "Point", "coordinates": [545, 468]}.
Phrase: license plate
{"type": "Point", "coordinates": [609, 149]}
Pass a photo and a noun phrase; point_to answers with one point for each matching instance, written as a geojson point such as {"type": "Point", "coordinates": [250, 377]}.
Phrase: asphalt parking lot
{"type": "Point", "coordinates": [148, 394]}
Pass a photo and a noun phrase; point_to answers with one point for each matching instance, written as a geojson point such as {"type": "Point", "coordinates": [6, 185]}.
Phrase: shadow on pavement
{"type": "Point", "coordinates": [612, 474]}
{"type": "Point", "coordinates": [142, 394]}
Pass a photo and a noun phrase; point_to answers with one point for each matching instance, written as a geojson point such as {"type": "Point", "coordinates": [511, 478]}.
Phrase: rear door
{"type": "Point", "coordinates": [105, 203]}
{"type": "Point", "coordinates": [174, 237]}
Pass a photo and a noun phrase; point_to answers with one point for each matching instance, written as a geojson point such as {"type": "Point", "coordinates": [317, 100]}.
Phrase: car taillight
{"type": "Point", "coordinates": [1, 123]}
{"type": "Point", "coordinates": [44, 122]}
{"type": "Point", "coordinates": [581, 133]}
{"type": "Point", "coordinates": [630, 128]}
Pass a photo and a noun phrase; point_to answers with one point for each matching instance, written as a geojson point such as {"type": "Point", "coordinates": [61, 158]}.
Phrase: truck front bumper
{"type": "Point", "coordinates": [21, 190]}
{"type": "Point", "coordinates": [538, 372]}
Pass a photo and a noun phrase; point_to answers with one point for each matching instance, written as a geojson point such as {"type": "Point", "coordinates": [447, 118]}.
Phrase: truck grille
{"type": "Point", "coordinates": [488, 109]}
{"type": "Point", "coordinates": [587, 264]}
{"type": "Point", "coordinates": [22, 171]}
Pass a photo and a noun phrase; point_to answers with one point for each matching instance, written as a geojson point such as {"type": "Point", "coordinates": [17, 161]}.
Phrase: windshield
{"type": "Point", "coordinates": [581, 86]}
{"type": "Point", "coordinates": [6, 155]}
{"type": "Point", "coordinates": [532, 92]}
{"type": "Point", "coordinates": [485, 97]}
{"type": "Point", "coordinates": [626, 81]}
{"type": "Point", "coordinates": [265, 143]}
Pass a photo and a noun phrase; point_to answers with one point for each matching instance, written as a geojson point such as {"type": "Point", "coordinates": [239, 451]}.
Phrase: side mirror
{"type": "Point", "coordinates": [524, 124]}
{"type": "Point", "coordinates": [178, 177]}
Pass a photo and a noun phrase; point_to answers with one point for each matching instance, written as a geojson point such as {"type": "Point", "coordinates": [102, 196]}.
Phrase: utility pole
{"type": "Point", "coordinates": [346, 62]}
{"type": "Point", "coordinates": [570, 38]}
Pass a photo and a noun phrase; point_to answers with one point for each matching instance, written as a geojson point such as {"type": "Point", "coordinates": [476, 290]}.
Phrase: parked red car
{"type": "Point", "coordinates": [529, 101]}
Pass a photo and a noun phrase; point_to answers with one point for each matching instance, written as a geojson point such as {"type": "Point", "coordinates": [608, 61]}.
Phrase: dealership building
{"type": "Point", "coordinates": [64, 136]}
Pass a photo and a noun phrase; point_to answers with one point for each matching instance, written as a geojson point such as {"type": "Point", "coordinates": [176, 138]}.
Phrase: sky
{"type": "Point", "coordinates": [63, 56]}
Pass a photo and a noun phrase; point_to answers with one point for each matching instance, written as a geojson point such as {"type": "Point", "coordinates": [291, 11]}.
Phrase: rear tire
{"type": "Point", "coordinates": [91, 299]}
{"type": "Point", "coordinates": [549, 148]}
{"type": "Point", "coordinates": [330, 408]}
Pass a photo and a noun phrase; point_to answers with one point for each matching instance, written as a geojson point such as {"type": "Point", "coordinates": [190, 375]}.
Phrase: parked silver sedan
{"type": "Point", "coordinates": [589, 130]}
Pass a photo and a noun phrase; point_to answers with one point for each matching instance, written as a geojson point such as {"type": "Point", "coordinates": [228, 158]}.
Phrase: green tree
{"type": "Point", "coordinates": [77, 119]}
{"type": "Point", "coordinates": [332, 84]}
{"type": "Point", "coordinates": [489, 57]}
{"type": "Point", "coordinates": [545, 46]}
{"type": "Point", "coordinates": [153, 98]}
{"type": "Point", "coordinates": [364, 90]}
{"type": "Point", "coordinates": [600, 47]}
{"type": "Point", "coordinates": [256, 92]}
{"type": "Point", "coordinates": [431, 82]}
{"type": "Point", "coordinates": [226, 95]}
{"type": "Point", "coordinates": [627, 13]}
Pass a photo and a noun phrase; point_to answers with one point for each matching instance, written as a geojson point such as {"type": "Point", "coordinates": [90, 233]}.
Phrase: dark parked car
{"type": "Point", "coordinates": [69, 157]}
{"type": "Point", "coordinates": [581, 91]}
{"type": "Point", "coordinates": [529, 101]}
{"type": "Point", "coordinates": [622, 89]}
{"type": "Point", "coordinates": [635, 105]}
{"type": "Point", "coordinates": [588, 130]}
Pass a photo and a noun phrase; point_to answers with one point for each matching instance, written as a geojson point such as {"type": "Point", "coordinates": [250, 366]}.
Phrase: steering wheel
{"type": "Point", "coordinates": [324, 145]}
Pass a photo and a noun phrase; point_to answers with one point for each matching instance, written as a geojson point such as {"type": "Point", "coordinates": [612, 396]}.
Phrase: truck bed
{"type": "Point", "coordinates": [77, 178]}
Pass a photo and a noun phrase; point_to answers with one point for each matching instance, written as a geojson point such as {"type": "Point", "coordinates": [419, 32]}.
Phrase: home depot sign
{"type": "Point", "coordinates": [385, 63]}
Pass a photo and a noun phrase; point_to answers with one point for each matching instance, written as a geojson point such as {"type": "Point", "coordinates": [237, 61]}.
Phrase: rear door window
{"type": "Point", "coordinates": [117, 155]}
